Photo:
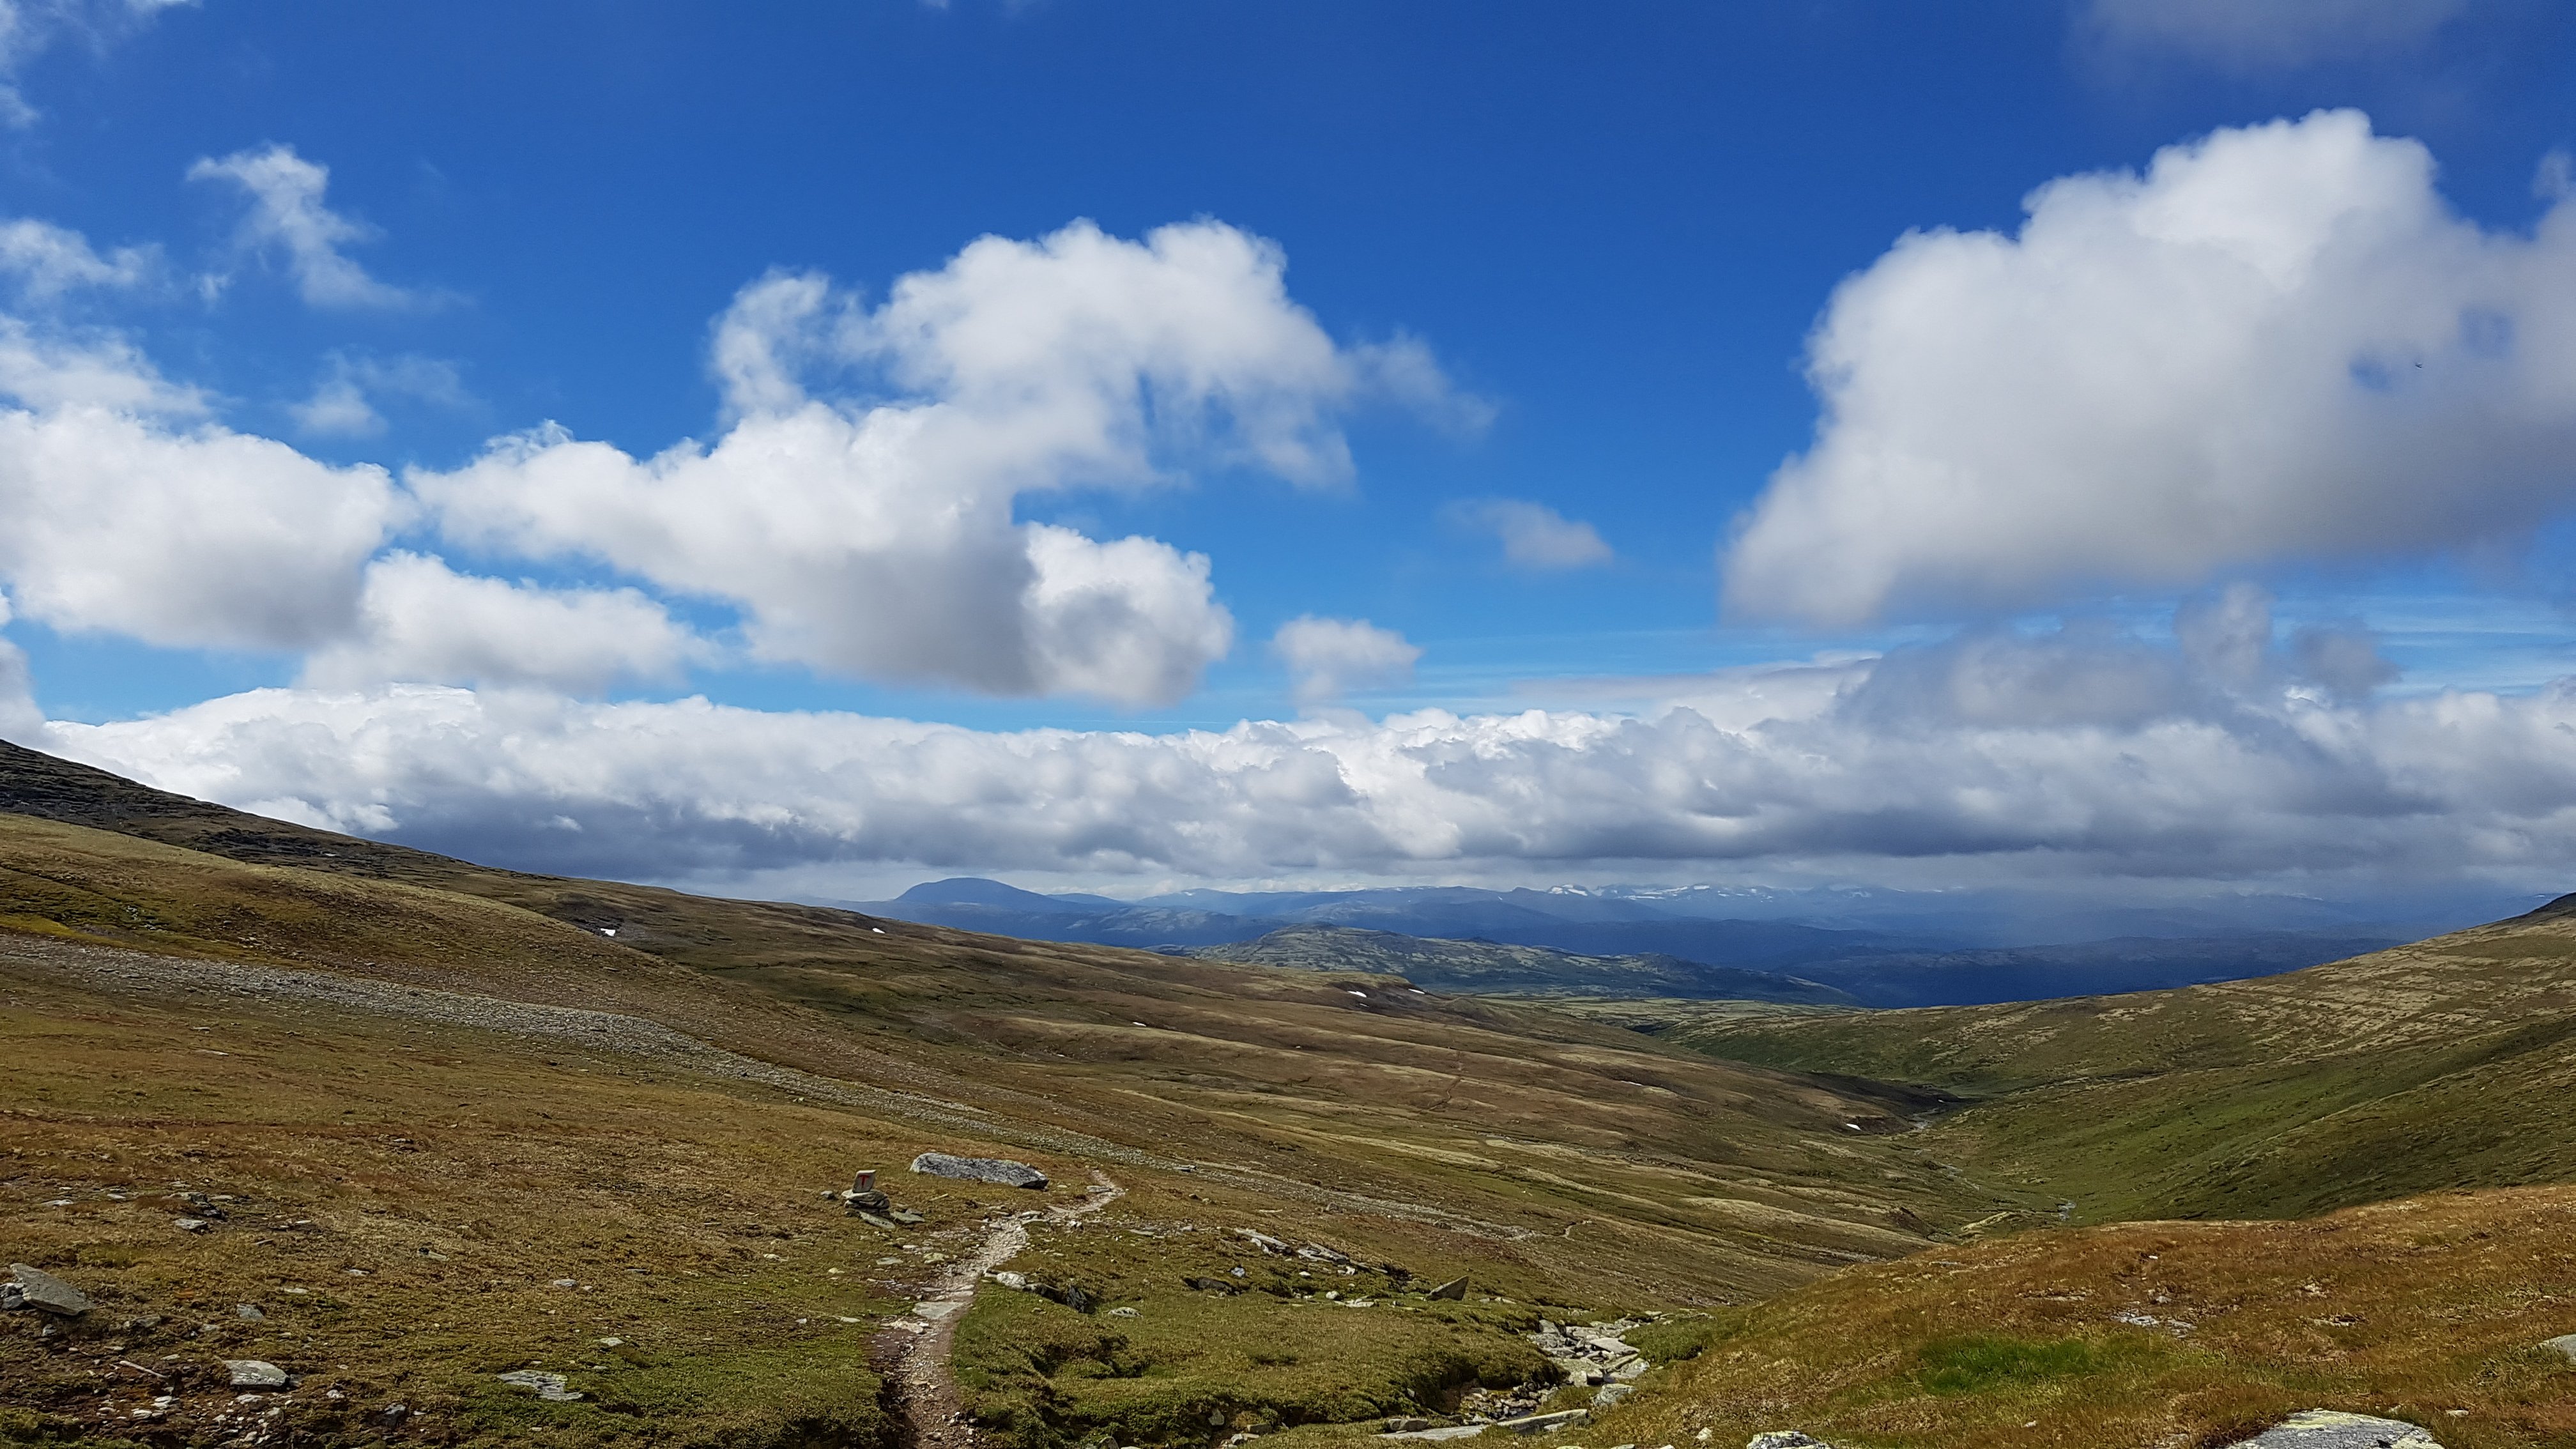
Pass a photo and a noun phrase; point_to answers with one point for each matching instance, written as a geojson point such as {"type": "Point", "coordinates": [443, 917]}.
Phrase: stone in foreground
{"type": "Point", "coordinates": [1542, 1423]}
{"type": "Point", "coordinates": [2330, 1429]}
{"type": "Point", "coordinates": [549, 1387]}
{"type": "Point", "coordinates": [40, 1289]}
{"type": "Point", "coordinates": [255, 1373]}
{"type": "Point", "coordinates": [2564, 1345]}
{"type": "Point", "coordinates": [1001, 1172]}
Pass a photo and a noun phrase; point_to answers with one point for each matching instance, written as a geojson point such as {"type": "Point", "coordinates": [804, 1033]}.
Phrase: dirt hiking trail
{"type": "Point", "coordinates": [913, 1353]}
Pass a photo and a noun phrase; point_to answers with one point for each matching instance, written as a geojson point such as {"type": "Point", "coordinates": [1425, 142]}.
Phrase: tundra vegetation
{"type": "Point", "coordinates": [399, 1125]}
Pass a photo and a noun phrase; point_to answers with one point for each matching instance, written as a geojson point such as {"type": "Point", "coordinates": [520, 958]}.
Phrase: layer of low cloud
{"type": "Point", "coordinates": [2250, 35]}
{"type": "Point", "coordinates": [1328, 658]}
{"type": "Point", "coordinates": [290, 221]}
{"type": "Point", "coordinates": [1533, 535]}
{"type": "Point", "coordinates": [1992, 755]}
{"type": "Point", "coordinates": [2277, 343]}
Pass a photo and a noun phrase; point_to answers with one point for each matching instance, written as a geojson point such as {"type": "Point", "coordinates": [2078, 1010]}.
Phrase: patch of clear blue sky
{"type": "Point", "coordinates": [1617, 224]}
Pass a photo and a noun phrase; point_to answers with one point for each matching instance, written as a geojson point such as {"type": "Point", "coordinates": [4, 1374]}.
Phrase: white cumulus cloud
{"type": "Point", "coordinates": [877, 538]}
{"type": "Point", "coordinates": [2278, 342]}
{"type": "Point", "coordinates": [198, 537]}
{"type": "Point", "coordinates": [1533, 535]}
{"type": "Point", "coordinates": [1327, 658]}
{"type": "Point", "coordinates": [421, 621]}
{"type": "Point", "coordinates": [48, 261]}
{"type": "Point", "coordinates": [289, 219]}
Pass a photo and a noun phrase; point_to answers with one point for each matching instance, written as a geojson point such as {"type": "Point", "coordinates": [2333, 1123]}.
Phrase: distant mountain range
{"type": "Point", "coordinates": [1873, 967]}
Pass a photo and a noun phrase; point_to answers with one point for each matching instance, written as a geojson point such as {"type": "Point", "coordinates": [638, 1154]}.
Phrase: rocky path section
{"type": "Point", "coordinates": [914, 1352]}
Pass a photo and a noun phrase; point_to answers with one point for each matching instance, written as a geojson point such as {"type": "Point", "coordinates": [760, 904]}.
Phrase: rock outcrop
{"type": "Point", "coordinates": [2332, 1429]}
{"type": "Point", "coordinates": [40, 1289]}
{"type": "Point", "coordinates": [999, 1171]}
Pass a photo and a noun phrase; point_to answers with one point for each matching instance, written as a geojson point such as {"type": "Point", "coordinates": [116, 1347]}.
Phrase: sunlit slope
{"type": "Point", "coordinates": [1578, 1149]}
{"type": "Point", "coordinates": [2159, 1333]}
{"type": "Point", "coordinates": [2441, 1064]}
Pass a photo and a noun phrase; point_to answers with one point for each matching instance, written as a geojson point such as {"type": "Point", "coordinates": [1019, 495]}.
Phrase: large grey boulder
{"type": "Point", "coordinates": [40, 1289]}
{"type": "Point", "coordinates": [2564, 1345]}
{"type": "Point", "coordinates": [255, 1373]}
{"type": "Point", "coordinates": [2333, 1429]}
{"type": "Point", "coordinates": [1001, 1172]}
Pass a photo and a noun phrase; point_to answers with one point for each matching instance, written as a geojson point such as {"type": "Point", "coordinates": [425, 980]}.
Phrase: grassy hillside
{"type": "Point", "coordinates": [2435, 1065]}
{"type": "Point", "coordinates": [1486, 967]}
{"type": "Point", "coordinates": [431, 1090]}
{"type": "Point", "coordinates": [2428, 1309]}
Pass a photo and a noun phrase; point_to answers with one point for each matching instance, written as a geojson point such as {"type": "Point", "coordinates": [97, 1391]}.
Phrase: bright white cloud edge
{"type": "Point", "coordinates": [2278, 343]}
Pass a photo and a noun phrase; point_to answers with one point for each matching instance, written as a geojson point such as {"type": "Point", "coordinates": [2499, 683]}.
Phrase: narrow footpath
{"type": "Point", "coordinates": [913, 1353]}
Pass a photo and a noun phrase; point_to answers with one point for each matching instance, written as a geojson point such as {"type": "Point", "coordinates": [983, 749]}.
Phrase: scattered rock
{"type": "Point", "coordinates": [255, 1373]}
{"type": "Point", "coordinates": [1779, 1439]}
{"type": "Point", "coordinates": [999, 1171]}
{"type": "Point", "coordinates": [1611, 1394]}
{"type": "Point", "coordinates": [1016, 1282]}
{"type": "Point", "coordinates": [12, 1298]}
{"type": "Point", "coordinates": [1212, 1285]}
{"type": "Point", "coordinates": [40, 1289]}
{"type": "Point", "coordinates": [1454, 1431]}
{"type": "Point", "coordinates": [2563, 1345]}
{"type": "Point", "coordinates": [249, 1313]}
{"type": "Point", "coordinates": [1455, 1290]}
{"type": "Point", "coordinates": [549, 1387]}
{"type": "Point", "coordinates": [2330, 1429]}
{"type": "Point", "coordinates": [190, 1225]}
{"type": "Point", "coordinates": [1263, 1241]}
{"type": "Point", "coordinates": [1542, 1423]}
{"type": "Point", "coordinates": [1402, 1425]}
{"type": "Point", "coordinates": [1123, 1312]}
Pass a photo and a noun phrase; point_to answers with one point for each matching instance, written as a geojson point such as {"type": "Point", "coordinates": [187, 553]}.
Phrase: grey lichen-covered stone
{"type": "Point", "coordinates": [1455, 1291]}
{"type": "Point", "coordinates": [1610, 1395]}
{"type": "Point", "coordinates": [255, 1373]}
{"type": "Point", "coordinates": [40, 1289]}
{"type": "Point", "coordinates": [996, 1170]}
{"type": "Point", "coordinates": [549, 1387]}
{"type": "Point", "coordinates": [2333, 1429]}
{"type": "Point", "coordinates": [1784, 1439]}
{"type": "Point", "coordinates": [1545, 1423]}
{"type": "Point", "coordinates": [2564, 1345]}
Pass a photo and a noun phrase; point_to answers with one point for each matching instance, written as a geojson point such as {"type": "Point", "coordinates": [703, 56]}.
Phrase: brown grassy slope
{"type": "Point", "coordinates": [2434, 1065]}
{"type": "Point", "coordinates": [1583, 1153]}
{"type": "Point", "coordinates": [399, 1202]}
{"type": "Point", "coordinates": [2416, 1308]}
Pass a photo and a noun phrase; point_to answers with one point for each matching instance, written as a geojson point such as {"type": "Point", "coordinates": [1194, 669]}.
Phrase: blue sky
{"type": "Point", "coordinates": [1539, 272]}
